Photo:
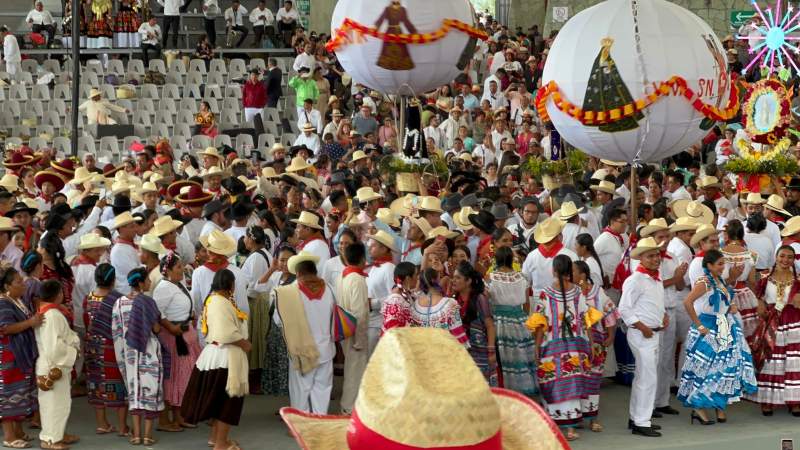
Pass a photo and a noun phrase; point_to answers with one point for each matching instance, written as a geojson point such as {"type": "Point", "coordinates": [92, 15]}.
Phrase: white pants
{"type": "Point", "coordinates": [54, 408]}
{"type": "Point", "coordinates": [311, 392]}
{"type": "Point", "coordinates": [682, 325]}
{"type": "Point", "coordinates": [645, 377]}
{"type": "Point", "coordinates": [355, 362]}
{"type": "Point", "coordinates": [250, 113]}
{"type": "Point", "coordinates": [12, 67]}
{"type": "Point", "coordinates": [666, 359]}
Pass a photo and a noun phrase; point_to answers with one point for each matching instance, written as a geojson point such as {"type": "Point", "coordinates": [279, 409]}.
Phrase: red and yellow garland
{"type": "Point", "coordinates": [779, 124]}
{"type": "Point", "coordinates": [595, 118]}
{"type": "Point", "coordinates": [342, 36]}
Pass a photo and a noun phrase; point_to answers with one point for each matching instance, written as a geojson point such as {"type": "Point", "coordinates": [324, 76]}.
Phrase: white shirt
{"type": "Point", "coordinates": [497, 100]}
{"type": "Point", "coordinates": [201, 287]}
{"type": "Point", "coordinates": [610, 252]}
{"type": "Point", "coordinates": [569, 234]}
{"type": "Point", "coordinates": [763, 247]}
{"type": "Point", "coordinates": [695, 270]}
{"type": "Point", "coordinates": [313, 117]}
{"type": "Point", "coordinates": [287, 16]}
{"type": "Point", "coordinates": [171, 7]}
{"type": "Point", "coordinates": [208, 227]}
{"type": "Point", "coordinates": [497, 140]}
{"type": "Point", "coordinates": [539, 270]}
{"type": "Point", "coordinates": [773, 232]}
{"type": "Point", "coordinates": [436, 134]}
{"type": "Point", "coordinates": [261, 17]}
{"type": "Point", "coordinates": [42, 17]}
{"type": "Point", "coordinates": [11, 49]}
{"type": "Point", "coordinates": [150, 34]}
{"type": "Point", "coordinates": [304, 60]}
{"type": "Point", "coordinates": [172, 301]}
{"type": "Point", "coordinates": [380, 281]}
{"type": "Point", "coordinates": [332, 128]}
{"type": "Point", "coordinates": [124, 258]}
{"type": "Point", "coordinates": [211, 10]}
{"type": "Point", "coordinates": [642, 300]}
{"type": "Point", "coordinates": [12, 255]}
{"type": "Point", "coordinates": [672, 296]}
{"type": "Point", "coordinates": [236, 232]}
{"type": "Point", "coordinates": [680, 194]}
{"type": "Point", "coordinates": [235, 17]}
{"type": "Point", "coordinates": [84, 284]}
{"type": "Point", "coordinates": [311, 141]}
{"type": "Point", "coordinates": [319, 248]}
{"type": "Point", "coordinates": [254, 267]}
{"type": "Point", "coordinates": [191, 230]}
{"type": "Point", "coordinates": [318, 315]}
{"type": "Point", "coordinates": [594, 270]}
{"type": "Point", "coordinates": [481, 151]}
{"type": "Point", "coordinates": [332, 271]}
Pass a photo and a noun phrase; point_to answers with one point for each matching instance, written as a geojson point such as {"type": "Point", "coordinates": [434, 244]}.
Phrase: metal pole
{"type": "Point", "coordinates": [76, 74]}
{"type": "Point", "coordinates": [634, 189]}
{"type": "Point", "coordinates": [402, 128]}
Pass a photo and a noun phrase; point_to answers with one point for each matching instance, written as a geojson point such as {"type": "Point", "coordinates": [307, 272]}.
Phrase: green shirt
{"type": "Point", "coordinates": [304, 88]}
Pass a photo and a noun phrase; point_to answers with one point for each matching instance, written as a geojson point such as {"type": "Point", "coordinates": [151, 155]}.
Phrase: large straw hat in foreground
{"type": "Point", "coordinates": [438, 399]}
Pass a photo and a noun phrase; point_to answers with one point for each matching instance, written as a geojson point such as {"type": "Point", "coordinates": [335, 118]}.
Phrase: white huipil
{"type": "Point", "coordinates": [380, 281]}
{"type": "Point", "coordinates": [352, 295]}
{"type": "Point", "coordinates": [332, 271]}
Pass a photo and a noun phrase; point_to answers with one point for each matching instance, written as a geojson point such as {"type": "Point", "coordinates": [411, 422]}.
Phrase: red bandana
{"type": "Point", "coordinates": [381, 261]}
{"type": "Point", "coordinates": [652, 273]}
{"type": "Point", "coordinates": [82, 259]}
{"type": "Point", "coordinates": [550, 251]}
{"type": "Point", "coordinates": [700, 254]}
{"type": "Point", "coordinates": [216, 263]}
{"type": "Point", "coordinates": [665, 255]}
{"type": "Point", "coordinates": [28, 235]}
{"type": "Point", "coordinates": [411, 249]}
{"type": "Point", "coordinates": [126, 242]}
{"type": "Point", "coordinates": [353, 269]}
{"type": "Point", "coordinates": [48, 306]}
{"type": "Point", "coordinates": [715, 197]}
{"type": "Point", "coordinates": [309, 293]}
{"type": "Point", "coordinates": [303, 244]}
{"type": "Point", "coordinates": [615, 234]}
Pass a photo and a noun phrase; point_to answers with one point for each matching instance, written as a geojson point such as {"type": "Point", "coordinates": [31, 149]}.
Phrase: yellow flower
{"type": "Point", "coordinates": [548, 366]}
{"type": "Point", "coordinates": [575, 360]}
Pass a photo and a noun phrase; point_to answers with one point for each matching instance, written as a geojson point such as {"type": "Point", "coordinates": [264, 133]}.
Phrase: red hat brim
{"type": "Point", "coordinates": [174, 189]}
{"type": "Point", "coordinates": [200, 201]}
{"type": "Point", "coordinates": [48, 175]}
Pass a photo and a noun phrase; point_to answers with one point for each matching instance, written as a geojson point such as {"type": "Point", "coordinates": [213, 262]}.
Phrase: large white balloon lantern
{"type": "Point", "coordinates": [403, 47]}
{"type": "Point", "coordinates": [636, 80]}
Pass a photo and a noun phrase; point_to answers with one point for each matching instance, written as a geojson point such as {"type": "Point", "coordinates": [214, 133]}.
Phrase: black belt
{"type": "Point", "coordinates": [657, 329]}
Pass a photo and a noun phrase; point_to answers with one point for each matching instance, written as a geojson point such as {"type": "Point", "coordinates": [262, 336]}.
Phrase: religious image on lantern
{"type": "Point", "coordinates": [395, 55]}
{"type": "Point", "coordinates": [607, 90]}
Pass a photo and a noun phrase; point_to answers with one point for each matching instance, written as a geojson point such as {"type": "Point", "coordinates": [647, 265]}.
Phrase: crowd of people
{"type": "Point", "coordinates": [175, 287]}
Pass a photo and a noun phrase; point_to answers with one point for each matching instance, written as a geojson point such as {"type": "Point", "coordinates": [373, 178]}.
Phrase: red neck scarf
{"type": "Point", "coordinates": [652, 273]}
{"type": "Point", "coordinates": [411, 248]}
{"type": "Point", "coordinates": [216, 263]}
{"type": "Point", "coordinates": [353, 269]}
{"type": "Point", "coordinates": [28, 235]}
{"type": "Point", "coordinates": [777, 219]}
{"type": "Point", "coordinates": [484, 242]}
{"type": "Point", "coordinates": [665, 255]}
{"type": "Point", "coordinates": [303, 244]}
{"type": "Point", "coordinates": [551, 250]}
{"type": "Point", "coordinates": [717, 195]}
{"type": "Point", "coordinates": [126, 242]}
{"type": "Point", "coordinates": [700, 254]}
{"type": "Point", "coordinates": [170, 246]}
{"type": "Point", "coordinates": [310, 293]}
{"type": "Point", "coordinates": [615, 234]}
{"type": "Point", "coordinates": [64, 310]}
{"type": "Point", "coordinates": [46, 198]}
{"type": "Point", "coordinates": [381, 261]}
{"type": "Point", "coordinates": [82, 259]}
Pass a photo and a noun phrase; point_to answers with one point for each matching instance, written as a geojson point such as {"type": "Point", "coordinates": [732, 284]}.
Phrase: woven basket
{"type": "Point", "coordinates": [406, 182]}
{"type": "Point", "coordinates": [126, 92]}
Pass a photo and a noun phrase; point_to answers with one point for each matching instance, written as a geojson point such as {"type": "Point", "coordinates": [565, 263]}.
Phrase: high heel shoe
{"type": "Point", "coordinates": [766, 412]}
{"type": "Point", "coordinates": [702, 421]}
{"type": "Point", "coordinates": [721, 419]}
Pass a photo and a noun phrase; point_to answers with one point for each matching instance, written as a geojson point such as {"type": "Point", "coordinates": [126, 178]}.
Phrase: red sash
{"type": "Point", "coordinates": [651, 273]}
{"type": "Point", "coordinates": [550, 251]}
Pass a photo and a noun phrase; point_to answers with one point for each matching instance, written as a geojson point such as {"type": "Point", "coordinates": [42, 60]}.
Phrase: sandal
{"type": "Point", "coordinates": [170, 428]}
{"type": "Point", "coordinates": [126, 434]}
{"type": "Point", "coordinates": [187, 425]}
{"type": "Point", "coordinates": [53, 446]}
{"type": "Point", "coordinates": [70, 439]}
{"type": "Point", "coordinates": [595, 427]}
{"type": "Point", "coordinates": [211, 444]}
{"type": "Point", "coordinates": [572, 435]}
{"type": "Point", "coordinates": [106, 430]}
{"type": "Point", "coordinates": [18, 443]}
{"type": "Point", "coordinates": [26, 437]}
{"type": "Point", "coordinates": [135, 441]}
{"type": "Point", "coordinates": [148, 441]}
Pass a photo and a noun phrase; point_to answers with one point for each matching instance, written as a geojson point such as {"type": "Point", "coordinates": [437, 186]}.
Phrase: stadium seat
{"type": "Point", "coordinates": [201, 141]}
{"type": "Point", "coordinates": [62, 144]}
{"type": "Point", "coordinates": [40, 92]}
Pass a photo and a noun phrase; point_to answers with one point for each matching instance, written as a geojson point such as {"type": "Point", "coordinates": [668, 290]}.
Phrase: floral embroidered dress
{"type": "Point", "coordinates": [103, 379]}
{"type": "Point", "coordinates": [444, 315]}
{"type": "Point", "coordinates": [564, 364]}
{"type": "Point", "coordinates": [744, 299]}
{"type": "Point", "coordinates": [396, 309]}
{"type": "Point", "coordinates": [596, 298]}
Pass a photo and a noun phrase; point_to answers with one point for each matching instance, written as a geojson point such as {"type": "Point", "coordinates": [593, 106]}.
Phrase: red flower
{"type": "Point", "coordinates": [540, 373]}
{"type": "Point", "coordinates": [567, 366]}
{"type": "Point", "coordinates": [37, 38]}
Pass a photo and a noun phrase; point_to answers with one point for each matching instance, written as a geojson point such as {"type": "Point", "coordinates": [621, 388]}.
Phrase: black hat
{"type": "Point", "coordinates": [214, 206]}
{"type": "Point", "coordinates": [484, 221]}
{"type": "Point", "coordinates": [234, 185]}
{"type": "Point", "coordinates": [336, 178]}
{"type": "Point", "coordinates": [794, 184]}
{"type": "Point", "coordinates": [121, 204]}
{"type": "Point", "coordinates": [295, 149]}
{"type": "Point", "coordinates": [240, 210]}
{"type": "Point", "coordinates": [256, 155]}
{"type": "Point", "coordinates": [470, 200]}
{"type": "Point", "coordinates": [87, 203]}
{"type": "Point", "coordinates": [21, 207]}
{"type": "Point", "coordinates": [452, 202]}
{"type": "Point", "coordinates": [500, 211]}
{"type": "Point", "coordinates": [175, 214]}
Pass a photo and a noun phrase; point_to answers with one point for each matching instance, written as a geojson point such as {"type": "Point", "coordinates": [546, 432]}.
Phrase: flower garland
{"type": "Point", "coordinates": [342, 35]}
{"type": "Point", "coordinates": [779, 123]}
{"type": "Point", "coordinates": [595, 118]}
{"type": "Point", "coordinates": [747, 152]}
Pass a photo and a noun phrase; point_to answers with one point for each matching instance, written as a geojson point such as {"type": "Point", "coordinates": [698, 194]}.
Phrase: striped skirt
{"type": "Point", "coordinates": [103, 378]}
{"type": "Point", "coordinates": [258, 324]}
{"type": "Point", "coordinates": [180, 366]}
{"type": "Point", "coordinates": [626, 363]}
{"type": "Point", "coordinates": [747, 303]}
{"type": "Point", "coordinates": [17, 388]}
{"type": "Point", "coordinates": [516, 351]}
{"type": "Point", "coordinates": [779, 377]}
{"type": "Point", "coordinates": [716, 375]}
{"type": "Point", "coordinates": [479, 350]}
{"type": "Point", "coordinates": [564, 376]}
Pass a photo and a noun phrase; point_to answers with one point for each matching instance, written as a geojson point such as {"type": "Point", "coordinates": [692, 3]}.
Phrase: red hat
{"type": "Point", "coordinates": [52, 176]}
{"type": "Point", "coordinates": [195, 197]}
{"type": "Point", "coordinates": [137, 147]}
{"type": "Point", "coordinates": [64, 167]}
{"type": "Point", "coordinates": [18, 160]}
{"type": "Point", "coordinates": [109, 169]}
{"type": "Point", "coordinates": [174, 189]}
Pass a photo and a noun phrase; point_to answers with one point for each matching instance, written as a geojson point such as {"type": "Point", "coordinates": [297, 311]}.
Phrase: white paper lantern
{"type": "Point", "coordinates": [434, 64]}
{"type": "Point", "coordinates": [673, 42]}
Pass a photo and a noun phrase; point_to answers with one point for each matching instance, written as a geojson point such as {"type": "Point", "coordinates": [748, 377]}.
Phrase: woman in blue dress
{"type": "Point", "coordinates": [719, 367]}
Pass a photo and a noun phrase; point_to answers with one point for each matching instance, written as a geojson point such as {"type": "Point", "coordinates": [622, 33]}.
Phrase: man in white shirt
{"type": "Point", "coordinates": [172, 20]}
{"type": "Point", "coordinates": [263, 22]}
{"type": "Point", "coordinates": [434, 132]}
{"type": "Point", "coordinates": [39, 19]}
{"type": "Point", "coordinates": [675, 189]}
{"type": "Point", "coordinates": [753, 204]}
{"type": "Point", "coordinates": [287, 18]}
{"type": "Point", "coordinates": [305, 59]}
{"type": "Point", "coordinates": [494, 96]}
{"type": "Point", "coordinates": [380, 280]}
{"type": "Point", "coordinates": [548, 235]}
{"type": "Point", "coordinates": [309, 138]}
{"type": "Point", "coordinates": [332, 127]}
{"type": "Point", "coordinates": [310, 115]}
{"type": "Point", "coordinates": [499, 134]}
{"type": "Point", "coordinates": [311, 234]}
{"type": "Point", "coordinates": [642, 309]}
{"type": "Point", "coordinates": [450, 126]}
{"type": "Point", "coordinates": [210, 12]}
{"type": "Point", "coordinates": [484, 152]}
{"type": "Point", "coordinates": [234, 21]}
{"type": "Point", "coordinates": [150, 34]}
{"type": "Point", "coordinates": [124, 254]}
{"type": "Point", "coordinates": [11, 53]}
{"type": "Point", "coordinates": [353, 296]}
{"type": "Point", "coordinates": [611, 245]}
{"type": "Point", "coordinates": [712, 190]}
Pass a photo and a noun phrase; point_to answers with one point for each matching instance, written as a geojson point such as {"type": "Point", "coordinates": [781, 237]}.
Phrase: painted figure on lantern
{"type": "Point", "coordinates": [395, 56]}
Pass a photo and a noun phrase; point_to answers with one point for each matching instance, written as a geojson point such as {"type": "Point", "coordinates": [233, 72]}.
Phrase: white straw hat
{"type": "Point", "coordinates": [218, 243]}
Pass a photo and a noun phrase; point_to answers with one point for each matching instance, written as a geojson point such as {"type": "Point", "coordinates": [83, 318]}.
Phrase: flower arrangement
{"type": "Point", "coordinates": [394, 165]}
{"type": "Point", "coordinates": [575, 162]}
{"type": "Point", "coordinates": [774, 161]}
{"type": "Point", "coordinates": [766, 111]}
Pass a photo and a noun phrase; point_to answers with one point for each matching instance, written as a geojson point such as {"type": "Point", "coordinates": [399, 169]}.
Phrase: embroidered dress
{"type": "Point", "coordinates": [564, 364]}
{"type": "Point", "coordinates": [744, 299]}
{"type": "Point", "coordinates": [126, 25]}
{"type": "Point", "coordinates": [17, 358]}
{"type": "Point", "coordinates": [596, 298]}
{"type": "Point", "coordinates": [100, 31]}
{"type": "Point", "coordinates": [516, 348]}
{"type": "Point", "coordinates": [442, 315]}
{"type": "Point", "coordinates": [139, 354]}
{"type": "Point", "coordinates": [479, 341]}
{"type": "Point", "coordinates": [776, 346]}
{"type": "Point", "coordinates": [396, 309]}
{"type": "Point", "coordinates": [719, 367]}
{"type": "Point", "coordinates": [275, 376]}
{"type": "Point", "coordinates": [67, 283]}
{"type": "Point", "coordinates": [103, 379]}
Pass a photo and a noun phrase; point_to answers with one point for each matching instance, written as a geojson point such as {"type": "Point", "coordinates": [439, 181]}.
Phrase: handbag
{"type": "Point", "coordinates": [344, 324]}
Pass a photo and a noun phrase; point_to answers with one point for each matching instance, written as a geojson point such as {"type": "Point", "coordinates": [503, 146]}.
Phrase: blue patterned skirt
{"type": "Point", "coordinates": [714, 375]}
{"type": "Point", "coordinates": [479, 350]}
{"type": "Point", "coordinates": [516, 350]}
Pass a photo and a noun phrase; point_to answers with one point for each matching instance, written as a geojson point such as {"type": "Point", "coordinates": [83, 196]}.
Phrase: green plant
{"type": "Point", "coordinates": [575, 162]}
{"type": "Point", "coordinates": [782, 164]}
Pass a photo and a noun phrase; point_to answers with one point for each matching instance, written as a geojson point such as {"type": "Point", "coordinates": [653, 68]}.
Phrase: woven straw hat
{"type": "Point", "coordinates": [406, 182]}
{"type": "Point", "coordinates": [600, 174]}
{"type": "Point", "coordinates": [754, 198]}
{"type": "Point", "coordinates": [213, 171]}
{"type": "Point", "coordinates": [125, 219]}
{"type": "Point", "coordinates": [210, 151]}
{"type": "Point", "coordinates": [7, 224]}
{"type": "Point", "coordinates": [298, 164]}
{"type": "Point", "coordinates": [292, 263]}
{"type": "Point", "coordinates": [776, 203]}
{"type": "Point", "coordinates": [708, 182]}
{"type": "Point", "coordinates": [385, 239]}
{"type": "Point", "coordinates": [443, 231]}
{"type": "Point", "coordinates": [461, 218]}
{"type": "Point", "coordinates": [609, 162]}
{"type": "Point", "coordinates": [404, 206]}
{"type": "Point", "coordinates": [358, 155]}
{"type": "Point", "coordinates": [153, 244]}
{"type": "Point", "coordinates": [430, 203]}
{"type": "Point", "coordinates": [643, 246]}
{"type": "Point", "coordinates": [308, 219]}
{"type": "Point", "coordinates": [386, 216]}
{"type": "Point", "coordinates": [10, 182]}
{"type": "Point", "coordinates": [792, 227]}
{"type": "Point", "coordinates": [703, 231]}
{"type": "Point", "coordinates": [164, 225]}
{"type": "Point", "coordinates": [148, 186]}
{"type": "Point", "coordinates": [92, 240]}
{"type": "Point", "coordinates": [218, 243]}
{"type": "Point", "coordinates": [367, 194]}
{"type": "Point", "coordinates": [82, 175]}
{"type": "Point", "coordinates": [568, 211]}
{"type": "Point", "coordinates": [604, 186]}
{"type": "Point", "coordinates": [654, 225]}
{"type": "Point", "coordinates": [439, 399]}
{"type": "Point", "coordinates": [684, 224]}
{"type": "Point", "coordinates": [269, 173]}
{"type": "Point", "coordinates": [422, 224]}
{"type": "Point", "coordinates": [694, 209]}
{"type": "Point", "coordinates": [548, 230]}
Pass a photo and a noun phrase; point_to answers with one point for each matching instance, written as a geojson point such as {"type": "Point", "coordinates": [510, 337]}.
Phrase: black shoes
{"type": "Point", "coordinates": [645, 431]}
{"type": "Point", "coordinates": [657, 414]}
{"type": "Point", "coordinates": [652, 425]}
{"type": "Point", "coordinates": [669, 410]}
{"type": "Point", "coordinates": [702, 421]}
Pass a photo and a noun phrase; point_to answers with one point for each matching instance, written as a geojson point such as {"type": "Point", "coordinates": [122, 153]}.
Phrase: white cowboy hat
{"type": "Point", "coordinates": [432, 377]}
{"type": "Point", "coordinates": [694, 209]}
{"type": "Point", "coordinates": [359, 155]}
{"type": "Point", "coordinates": [213, 171]}
{"type": "Point", "coordinates": [218, 243]}
{"type": "Point", "coordinates": [210, 151]}
{"type": "Point", "coordinates": [10, 182]}
{"type": "Point", "coordinates": [92, 240]}
{"type": "Point", "coordinates": [404, 206]}
{"type": "Point", "coordinates": [684, 224]}
{"type": "Point", "coordinates": [604, 186]}
{"type": "Point", "coordinates": [120, 186]}
{"type": "Point", "coordinates": [308, 219]}
{"type": "Point", "coordinates": [308, 127]}
{"type": "Point", "coordinates": [125, 218]}
{"type": "Point", "coordinates": [386, 216]}
{"type": "Point", "coordinates": [708, 181]}
{"type": "Point", "coordinates": [7, 224]}
{"type": "Point", "coordinates": [658, 224]}
{"type": "Point", "coordinates": [298, 164]}
{"type": "Point", "coordinates": [303, 256]}
{"type": "Point", "coordinates": [94, 92]}
{"type": "Point", "coordinates": [643, 246]}
{"type": "Point", "coordinates": [422, 224]}
{"type": "Point", "coordinates": [276, 147]}
{"type": "Point", "coordinates": [385, 239]}
{"type": "Point", "coordinates": [461, 218]}
{"type": "Point", "coordinates": [249, 184]}
{"type": "Point", "coordinates": [703, 231]}
{"type": "Point", "coordinates": [430, 203]}
{"type": "Point", "coordinates": [164, 225]}
{"type": "Point", "coordinates": [776, 203]}
{"type": "Point", "coordinates": [367, 194]}
{"type": "Point", "coordinates": [148, 186]}
{"type": "Point", "coordinates": [791, 227]}
{"type": "Point", "coordinates": [568, 211]}
{"type": "Point", "coordinates": [548, 230]}
{"type": "Point", "coordinates": [754, 198]}
{"type": "Point", "coordinates": [443, 231]}
{"type": "Point", "coordinates": [269, 173]}
{"type": "Point", "coordinates": [600, 174]}
{"type": "Point", "coordinates": [152, 243]}
{"type": "Point", "coordinates": [82, 175]}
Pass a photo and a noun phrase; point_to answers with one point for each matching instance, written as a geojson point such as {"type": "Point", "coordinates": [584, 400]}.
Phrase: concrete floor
{"type": "Point", "coordinates": [746, 429]}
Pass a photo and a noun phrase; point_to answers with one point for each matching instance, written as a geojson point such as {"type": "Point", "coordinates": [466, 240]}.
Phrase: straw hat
{"type": "Point", "coordinates": [7, 224]}
{"type": "Point", "coordinates": [82, 175]}
{"type": "Point", "coordinates": [332, 99]}
{"type": "Point", "coordinates": [548, 230]}
{"type": "Point", "coordinates": [791, 227]}
{"type": "Point", "coordinates": [50, 176]}
{"type": "Point", "coordinates": [308, 127]}
{"type": "Point", "coordinates": [694, 209]}
{"type": "Point", "coordinates": [776, 203]}
{"type": "Point", "coordinates": [708, 182]}
{"type": "Point", "coordinates": [609, 162]}
{"type": "Point", "coordinates": [359, 155]}
{"type": "Point", "coordinates": [754, 198]}
{"type": "Point", "coordinates": [336, 112]}
{"type": "Point", "coordinates": [406, 182]}
{"type": "Point", "coordinates": [269, 173]}
{"type": "Point", "coordinates": [298, 258]}
{"type": "Point", "coordinates": [10, 182]}
{"type": "Point", "coordinates": [442, 230]}
{"type": "Point", "coordinates": [218, 243]}
{"type": "Point", "coordinates": [643, 246]}
{"type": "Point", "coordinates": [119, 187]}
{"type": "Point", "coordinates": [386, 216]}
{"type": "Point", "coordinates": [384, 238]}
{"type": "Point", "coordinates": [125, 218]}
{"type": "Point", "coordinates": [600, 174]}
{"type": "Point", "coordinates": [213, 171]}
{"type": "Point", "coordinates": [93, 240]}
{"type": "Point", "coordinates": [684, 224]}
{"type": "Point", "coordinates": [148, 187]}
{"type": "Point", "coordinates": [153, 244]}
{"type": "Point", "coordinates": [432, 378]}
{"type": "Point", "coordinates": [604, 186]}
{"type": "Point", "coordinates": [164, 225]}
{"type": "Point", "coordinates": [298, 164]}
{"type": "Point", "coordinates": [308, 219]}
{"type": "Point", "coordinates": [249, 184]}
{"type": "Point", "coordinates": [568, 210]}
{"type": "Point", "coordinates": [276, 147]}
{"type": "Point", "coordinates": [210, 151]}
{"type": "Point", "coordinates": [430, 203]}
{"type": "Point", "coordinates": [94, 92]}
{"type": "Point", "coordinates": [703, 231]}
{"type": "Point", "coordinates": [422, 224]}
{"type": "Point", "coordinates": [367, 194]}
{"type": "Point", "coordinates": [659, 224]}
{"type": "Point", "coordinates": [404, 206]}
{"type": "Point", "coordinates": [461, 218]}
{"type": "Point", "coordinates": [465, 157]}
{"type": "Point", "coordinates": [194, 196]}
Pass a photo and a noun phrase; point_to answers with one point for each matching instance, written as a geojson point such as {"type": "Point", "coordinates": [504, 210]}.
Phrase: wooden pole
{"type": "Point", "coordinates": [401, 130]}
{"type": "Point", "coordinates": [634, 190]}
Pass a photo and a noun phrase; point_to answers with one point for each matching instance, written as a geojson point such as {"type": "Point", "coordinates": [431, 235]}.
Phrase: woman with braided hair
{"type": "Point", "coordinates": [470, 292]}
{"type": "Point", "coordinates": [433, 309]}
